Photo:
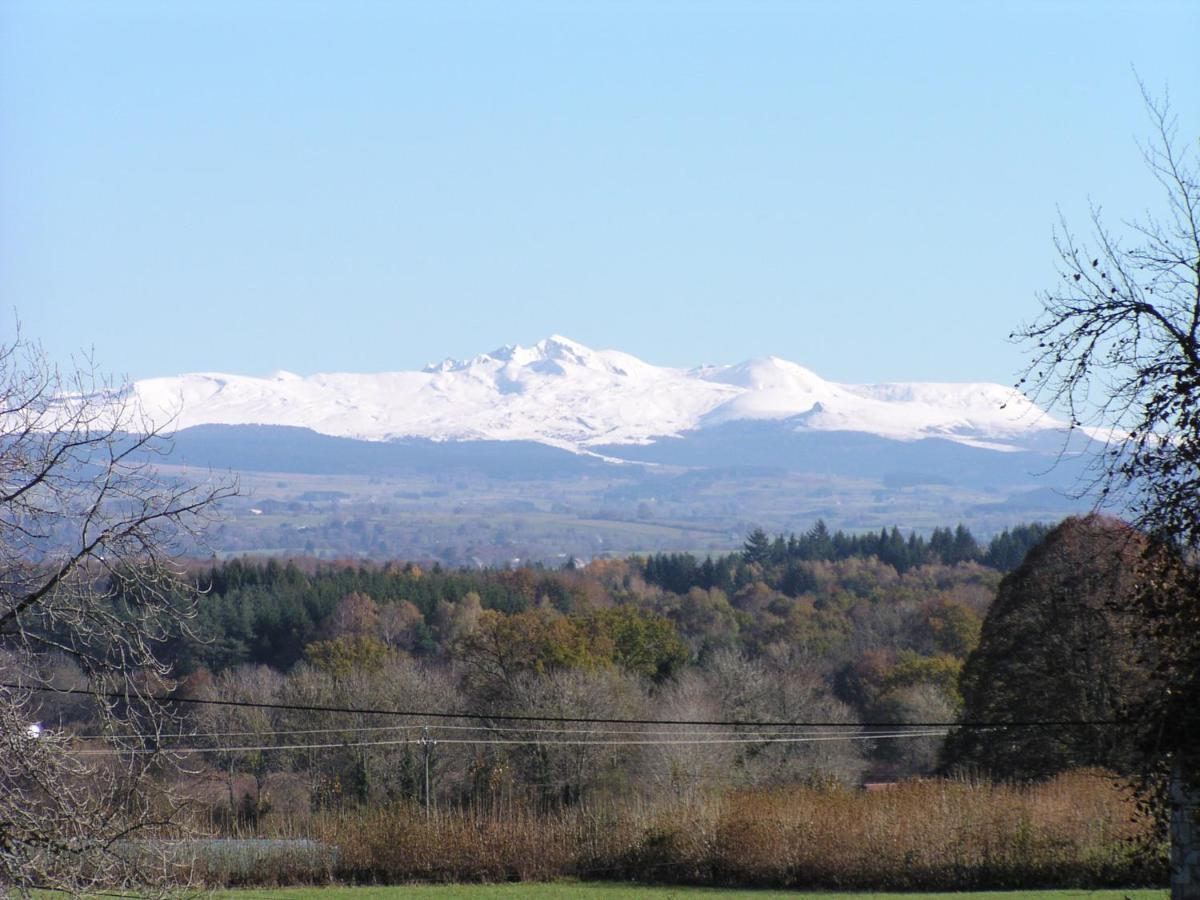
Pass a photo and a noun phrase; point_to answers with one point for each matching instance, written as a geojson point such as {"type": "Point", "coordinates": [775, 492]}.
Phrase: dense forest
{"type": "Point", "coordinates": [267, 613]}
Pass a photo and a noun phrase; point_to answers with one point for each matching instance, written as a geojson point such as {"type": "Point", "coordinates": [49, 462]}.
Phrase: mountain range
{"type": "Point", "coordinates": [563, 394]}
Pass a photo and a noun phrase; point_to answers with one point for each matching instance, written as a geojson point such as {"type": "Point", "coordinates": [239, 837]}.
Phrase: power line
{"type": "Point", "coordinates": [799, 739]}
{"type": "Point", "coordinates": [598, 720]}
{"type": "Point", "coordinates": [511, 729]}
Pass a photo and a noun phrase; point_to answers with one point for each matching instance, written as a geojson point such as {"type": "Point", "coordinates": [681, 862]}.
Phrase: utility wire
{"type": "Point", "coordinates": [599, 720]}
{"type": "Point", "coordinates": [806, 739]}
{"type": "Point", "coordinates": [491, 729]}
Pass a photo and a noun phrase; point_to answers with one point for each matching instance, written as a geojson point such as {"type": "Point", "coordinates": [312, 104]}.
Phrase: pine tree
{"type": "Point", "coordinates": [757, 548]}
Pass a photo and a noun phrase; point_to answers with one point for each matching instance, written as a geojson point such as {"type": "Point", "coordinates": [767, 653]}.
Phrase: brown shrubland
{"type": "Point", "coordinates": [1077, 830]}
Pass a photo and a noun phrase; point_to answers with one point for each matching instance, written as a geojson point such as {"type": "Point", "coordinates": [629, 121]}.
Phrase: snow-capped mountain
{"type": "Point", "coordinates": [563, 394]}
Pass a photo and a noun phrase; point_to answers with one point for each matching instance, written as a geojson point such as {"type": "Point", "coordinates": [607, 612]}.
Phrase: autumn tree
{"type": "Point", "coordinates": [1057, 646]}
{"type": "Point", "coordinates": [356, 615]}
{"type": "Point", "coordinates": [401, 625]}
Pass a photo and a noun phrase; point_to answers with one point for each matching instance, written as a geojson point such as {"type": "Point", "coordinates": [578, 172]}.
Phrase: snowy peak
{"type": "Point", "coordinates": [563, 349]}
{"type": "Point", "coordinates": [552, 355]}
{"type": "Point", "coordinates": [769, 373]}
{"type": "Point", "coordinates": [771, 388]}
{"type": "Point", "coordinates": [562, 393]}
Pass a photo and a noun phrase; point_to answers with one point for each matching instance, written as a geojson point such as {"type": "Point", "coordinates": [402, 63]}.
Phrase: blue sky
{"type": "Point", "coordinates": [865, 188]}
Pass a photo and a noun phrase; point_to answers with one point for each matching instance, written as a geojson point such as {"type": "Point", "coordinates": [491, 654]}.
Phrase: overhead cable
{"type": "Point", "coordinates": [599, 720]}
{"type": "Point", "coordinates": [800, 739]}
{"type": "Point", "coordinates": [491, 729]}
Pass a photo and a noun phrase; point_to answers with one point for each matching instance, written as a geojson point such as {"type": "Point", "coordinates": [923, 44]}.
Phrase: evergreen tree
{"type": "Point", "coordinates": [820, 544]}
{"type": "Point", "coordinates": [1007, 549]}
{"type": "Point", "coordinates": [941, 545]}
{"type": "Point", "coordinates": [757, 548]}
{"type": "Point", "coordinates": [965, 546]}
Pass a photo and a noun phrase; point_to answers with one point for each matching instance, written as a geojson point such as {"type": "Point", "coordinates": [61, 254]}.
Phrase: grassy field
{"type": "Point", "coordinates": [636, 892]}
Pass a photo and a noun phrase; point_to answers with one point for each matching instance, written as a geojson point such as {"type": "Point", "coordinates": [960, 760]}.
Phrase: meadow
{"type": "Point", "coordinates": [610, 891]}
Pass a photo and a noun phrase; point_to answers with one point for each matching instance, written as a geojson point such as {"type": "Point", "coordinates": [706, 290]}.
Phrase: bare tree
{"type": "Point", "coordinates": [89, 531]}
{"type": "Point", "coordinates": [751, 689]}
{"type": "Point", "coordinates": [554, 768]}
{"type": "Point", "coordinates": [227, 725]}
{"type": "Point", "coordinates": [1118, 346]}
{"type": "Point", "coordinates": [687, 771]}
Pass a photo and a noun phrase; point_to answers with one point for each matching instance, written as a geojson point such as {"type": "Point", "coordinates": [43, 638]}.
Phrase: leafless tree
{"type": "Point", "coordinates": [89, 531]}
{"type": "Point", "coordinates": [686, 771]}
{"type": "Point", "coordinates": [1117, 345]}
{"type": "Point", "coordinates": [233, 727]}
{"type": "Point", "coordinates": [752, 689]}
{"type": "Point", "coordinates": [563, 768]}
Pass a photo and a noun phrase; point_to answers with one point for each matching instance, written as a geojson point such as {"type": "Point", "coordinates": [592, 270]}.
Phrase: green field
{"type": "Point", "coordinates": [637, 892]}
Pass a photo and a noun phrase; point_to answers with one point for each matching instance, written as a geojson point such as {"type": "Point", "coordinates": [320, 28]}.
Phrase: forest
{"type": "Point", "coordinates": [824, 625]}
{"type": "Point", "coordinates": [529, 722]}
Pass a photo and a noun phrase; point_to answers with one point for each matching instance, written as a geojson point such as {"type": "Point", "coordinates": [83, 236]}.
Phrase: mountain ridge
{"type": "Point", "coordinates": [563, 394]}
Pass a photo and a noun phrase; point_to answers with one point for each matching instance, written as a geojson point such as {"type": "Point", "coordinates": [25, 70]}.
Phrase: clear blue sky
{"type": "Point", "coordinates": [865, 188]}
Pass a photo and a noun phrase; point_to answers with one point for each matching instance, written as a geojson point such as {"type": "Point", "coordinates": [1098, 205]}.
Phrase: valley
{"type": "Point", "coordinates": [467, 517]}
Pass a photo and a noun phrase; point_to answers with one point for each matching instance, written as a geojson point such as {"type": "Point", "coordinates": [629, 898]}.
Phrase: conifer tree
{"type": "Point", "coordinates": [757, 548]}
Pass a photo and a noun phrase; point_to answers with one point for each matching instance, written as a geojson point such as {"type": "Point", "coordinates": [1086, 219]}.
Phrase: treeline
{"type": "Point", "coordinates": [779, 559]}
{"type": "Point", "coordinates": [267, 613]}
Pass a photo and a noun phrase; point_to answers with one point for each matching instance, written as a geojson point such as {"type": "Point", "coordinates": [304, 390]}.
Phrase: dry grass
{"type": "Point", "coordinates": [1076, 831]}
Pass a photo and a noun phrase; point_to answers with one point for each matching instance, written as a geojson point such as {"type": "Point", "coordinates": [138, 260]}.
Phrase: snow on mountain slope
{"type": "Point", "coordinates": [561, 393]}
{"type": "Point", "coordinates": [557, 392]}
{"type": "Point", "coordinates": [773, 388]}
{"type": "Point", "coordinates": [969, 413]}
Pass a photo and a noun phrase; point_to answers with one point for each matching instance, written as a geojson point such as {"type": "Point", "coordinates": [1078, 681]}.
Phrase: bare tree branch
{"type": "Point", "coordinates": [1116, 345]}
{"type": "Point", "coordinates": [89, 531]}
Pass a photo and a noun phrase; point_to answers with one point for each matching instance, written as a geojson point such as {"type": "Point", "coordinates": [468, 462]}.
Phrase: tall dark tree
{"type": "Point", "coordinates": [965, 546]}
{"type": "Point", "coordinates": [1055, 646]}
{"type": "Point", "coordinates": [757, 548]}
{"type": "Point", "coordinates": [819, 541]}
